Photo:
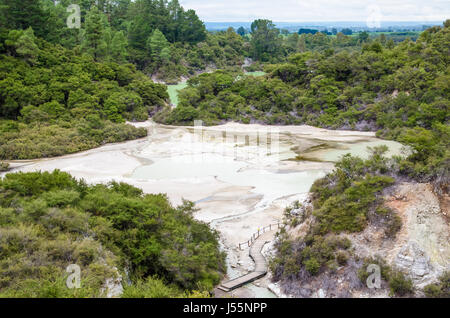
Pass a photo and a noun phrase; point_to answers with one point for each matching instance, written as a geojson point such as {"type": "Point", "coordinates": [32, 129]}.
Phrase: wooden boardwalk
{"type": "Point", "coordinates": [260, 264]}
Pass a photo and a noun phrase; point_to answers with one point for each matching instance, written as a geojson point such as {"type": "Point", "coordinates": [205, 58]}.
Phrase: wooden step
{"type": "Point", "coordinates": [241, 281]}
{"type": "Point", "coordinates": [260, 265]}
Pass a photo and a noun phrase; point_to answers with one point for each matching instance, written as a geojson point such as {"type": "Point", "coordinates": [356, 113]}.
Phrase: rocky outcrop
{"type": "Point", "coordinates": [412, 259]}
{"type": "Point", "coordinates": [112, 288]}
{"type": "Point", "coordinates": [421, 249]}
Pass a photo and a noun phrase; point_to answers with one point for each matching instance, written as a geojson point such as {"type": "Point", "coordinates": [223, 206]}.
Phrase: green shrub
{"type": "Point", "coordinates": [384, 268]}
{"type": "Point", "coordinates": [342, 258]}
{"type": "Point", "coordinates": [440, 289]}
{"type": "Point", "coordinates": [48, 287]}
{"type": "Point", "coordinates": [434, 291]}
{"type": "Point", "coordinates": [327, 87]}
{"type": "Point", "coordinates": [400, 285]}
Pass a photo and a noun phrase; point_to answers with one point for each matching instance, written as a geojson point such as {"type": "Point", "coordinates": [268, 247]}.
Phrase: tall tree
{"type": "Point", "coordinates": [95, 34]}
{"type": "Point", "coordinates": [26, 46]}
{"type": "Point", "coordinates": [157, 44]}
{"type": "Point", "coordinates": [241, 31]}
{"type": "Point", "coordinates": [192, 28]}
{"type": "Point", "coordinates": [265, 41]}
{"type": "Point", "coordinates": [119, 45]}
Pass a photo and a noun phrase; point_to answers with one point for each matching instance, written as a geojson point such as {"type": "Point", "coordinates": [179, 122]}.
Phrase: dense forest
{"type": "Point", "coordinates": [66, 90]}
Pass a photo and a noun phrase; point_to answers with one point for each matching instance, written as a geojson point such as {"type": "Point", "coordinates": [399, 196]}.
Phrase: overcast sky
{"type": "Point", "coordinates": [319, 10]}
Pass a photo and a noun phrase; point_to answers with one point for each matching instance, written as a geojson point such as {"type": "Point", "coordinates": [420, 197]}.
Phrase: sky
{"type": "Point", "coordinates": [320, 10]}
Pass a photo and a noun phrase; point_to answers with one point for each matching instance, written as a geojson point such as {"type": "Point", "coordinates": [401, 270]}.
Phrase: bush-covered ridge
{"type": "Point", "coordinates": [344, 201]}
{"type": "Point", "coordinates": [160, 37]}
{"type": "Point", "coordinates": [53, 101]}
{"type": "Point", "coordinates": [50, 220]}
{"type": "Point", "coordinates": [165, 40]}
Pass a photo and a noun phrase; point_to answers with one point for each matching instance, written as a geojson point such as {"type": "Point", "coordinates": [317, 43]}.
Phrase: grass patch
{"type": "Point", "coordinates": [440, 289]}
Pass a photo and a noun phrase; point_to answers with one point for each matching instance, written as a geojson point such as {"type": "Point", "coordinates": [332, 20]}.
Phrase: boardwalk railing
{"type": "Point", "coordinates": [255, 235]}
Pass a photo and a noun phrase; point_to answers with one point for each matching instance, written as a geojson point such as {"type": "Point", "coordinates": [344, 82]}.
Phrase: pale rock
{"type": "Point", "coordinates": [113, 287]}
{"type": "Point", "coordinates": [321, 293]}
{"type": "Point", "coordinates": [414, 261]}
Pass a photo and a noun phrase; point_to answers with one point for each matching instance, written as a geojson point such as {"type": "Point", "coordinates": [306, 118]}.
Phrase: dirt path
{"type": "Point", "coordinates": [260, 270]}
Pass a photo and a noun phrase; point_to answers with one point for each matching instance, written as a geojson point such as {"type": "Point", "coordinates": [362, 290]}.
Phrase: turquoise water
{"type": "Point", "coordinates": [357, 149]}
{"type": "Point", "coordinates": [256, 74]}
{"type": "Point", "coordinates": [173, 92]}
{"type": "Point", "coordinates": [271, 183]}
{"type": "Point", "coordinates": [174, 89]}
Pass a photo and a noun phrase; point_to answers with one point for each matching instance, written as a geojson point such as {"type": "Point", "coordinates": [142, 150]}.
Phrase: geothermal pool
{"type": "Point", "coordinates": [241, 177]}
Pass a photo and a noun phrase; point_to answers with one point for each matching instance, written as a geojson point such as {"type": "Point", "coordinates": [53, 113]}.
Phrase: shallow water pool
{"type": "Point", "coordinates": [173, 92]}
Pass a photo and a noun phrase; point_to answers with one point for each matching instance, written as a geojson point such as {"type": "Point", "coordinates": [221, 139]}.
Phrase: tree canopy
{"type": "Point", "coordinates": [107, 230]}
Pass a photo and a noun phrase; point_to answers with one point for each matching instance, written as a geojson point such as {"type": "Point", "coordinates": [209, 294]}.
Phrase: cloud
{"type": "Point", "coordinates": [318, 10]}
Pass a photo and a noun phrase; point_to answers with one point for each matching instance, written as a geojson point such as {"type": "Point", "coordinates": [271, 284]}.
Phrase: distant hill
{"type": "Point", "coordinates": [355, 25]}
